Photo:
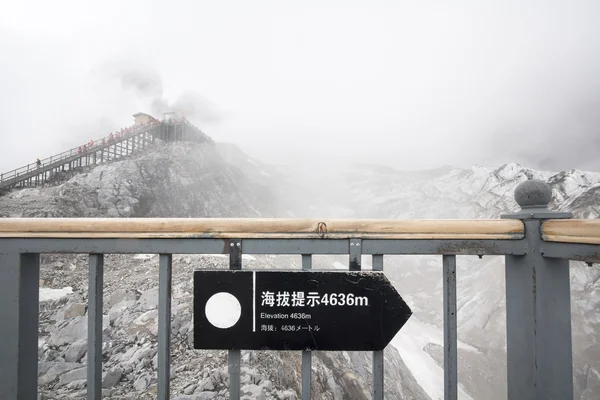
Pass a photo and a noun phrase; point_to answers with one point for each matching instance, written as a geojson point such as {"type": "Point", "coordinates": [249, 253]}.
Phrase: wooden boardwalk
{"type": "Point", "coordinates": [110, 148]}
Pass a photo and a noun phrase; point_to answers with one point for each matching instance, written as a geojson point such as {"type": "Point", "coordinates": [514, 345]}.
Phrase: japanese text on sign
{"type": "Point", "coordinates": [312, 299]}
{"type": "Point", "coordinates": [290, 328]}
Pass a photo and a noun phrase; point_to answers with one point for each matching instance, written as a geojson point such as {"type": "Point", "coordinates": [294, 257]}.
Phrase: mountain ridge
{"type": "Point", "coordinates": [179, 180]}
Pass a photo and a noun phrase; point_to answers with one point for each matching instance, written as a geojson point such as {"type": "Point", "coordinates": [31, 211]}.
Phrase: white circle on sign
{"type": "Point", "coordinates": [223, 310]}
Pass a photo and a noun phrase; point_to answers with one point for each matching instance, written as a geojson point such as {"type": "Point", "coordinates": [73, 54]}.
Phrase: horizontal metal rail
{"type": "Point", "coordinates": [265, 246]}
{"type": "Point", "coordinates": [589, 253]}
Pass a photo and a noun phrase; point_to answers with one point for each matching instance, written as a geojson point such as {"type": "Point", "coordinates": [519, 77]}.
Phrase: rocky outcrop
{"type": "Point", "coordinates": [177, 180]}
{"type": "Point", "coordinates": [479, 193]}
{"type": "Point", "coordinates": [130, 329]}
{"type": "Point", "coordinates": [182, 180]}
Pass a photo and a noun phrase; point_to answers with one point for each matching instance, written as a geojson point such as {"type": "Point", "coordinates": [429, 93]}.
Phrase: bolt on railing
{"type": "Point", "coordinates": [537, 244]}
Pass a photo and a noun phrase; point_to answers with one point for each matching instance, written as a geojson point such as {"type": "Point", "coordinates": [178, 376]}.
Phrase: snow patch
{"type": "Point", "coordinates": [410, 343]}
{"type": "Point", "coordinates": [143, 256]}
{"type": "Point", "coordinates": [47, 294]}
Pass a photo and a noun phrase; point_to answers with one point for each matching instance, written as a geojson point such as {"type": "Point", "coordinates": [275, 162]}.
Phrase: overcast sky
{"type": "Point", "coordinates": [415, 84]}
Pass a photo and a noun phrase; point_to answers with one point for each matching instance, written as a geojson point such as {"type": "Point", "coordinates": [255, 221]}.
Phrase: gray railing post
{"type": "Point", "coordinates": [19, 300]}
{"type": "Point", "coordinates": [538, 307]}
{"type": "Point", "coordinates": [306, 355]}
{"type": "Point", "coordinates": [235, 356]}
{"type": "Point", "coordinates": [164, 325]}
{"type": "Point", "coordinates": [95, 301]}
{"type": "Point", "coordinates": [378, 356]}
{"type": "Point", "coordinates": [450, 328]}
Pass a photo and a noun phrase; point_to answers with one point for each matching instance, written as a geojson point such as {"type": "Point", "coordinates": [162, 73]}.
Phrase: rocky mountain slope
{"type": "Point", "coordinates": [184, 180]}
{"type": "Point", "coordinates": [175, 180]}
{"type": "Point", "coordinates": [130, 340]}
{"type": "Point", "coordinates": [370, 191]}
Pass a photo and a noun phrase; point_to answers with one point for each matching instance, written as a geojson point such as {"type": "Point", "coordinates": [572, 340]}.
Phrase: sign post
{"type": "Point", "coordinates": [296, 310]}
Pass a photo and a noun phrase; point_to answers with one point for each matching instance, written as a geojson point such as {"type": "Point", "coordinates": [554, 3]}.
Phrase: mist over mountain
{"type": "Point", "coordinates": [479, 192]}
{"type": "Point", "coordinates": [220, 180]}
{"type": "Point", "coordinates": [179, 179]}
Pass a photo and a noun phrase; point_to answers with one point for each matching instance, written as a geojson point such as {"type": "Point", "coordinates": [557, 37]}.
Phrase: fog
{"type": "Point", "coordinates": [409, 84]}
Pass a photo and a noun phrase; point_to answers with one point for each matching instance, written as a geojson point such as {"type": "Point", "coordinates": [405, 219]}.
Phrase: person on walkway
{"type": "Point", "coordinates": [39, 163]}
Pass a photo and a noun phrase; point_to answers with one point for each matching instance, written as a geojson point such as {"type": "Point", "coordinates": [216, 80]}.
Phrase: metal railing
{"type": "Point", "coordinates": [135, 129]}
{"type": "Point", "coordinates": [10, 178]}
{"type": "Point", "coordinates": [536, 243]}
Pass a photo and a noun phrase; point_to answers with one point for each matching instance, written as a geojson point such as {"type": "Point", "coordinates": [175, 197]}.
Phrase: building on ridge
{"type": "Point", "coordinates": [143, 118]}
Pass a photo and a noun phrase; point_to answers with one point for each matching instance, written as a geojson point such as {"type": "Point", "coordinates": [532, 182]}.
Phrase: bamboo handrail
{"type": "Point", "coordinates": [257, 228]}
{"type": "Point", "coordinates": [585, 231]}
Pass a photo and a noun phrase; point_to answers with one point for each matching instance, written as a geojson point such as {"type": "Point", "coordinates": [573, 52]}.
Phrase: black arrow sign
{"type": "Point", "coordinates": [296, 310]}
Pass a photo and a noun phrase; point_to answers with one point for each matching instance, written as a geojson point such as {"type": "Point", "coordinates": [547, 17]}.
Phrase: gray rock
{"type": "Point", "coordinates": [142, 382]}
{"type": "Point", "coordinates": [105, 325]}
{"type": "Point", "coordinates": [144, 324]}
{"type": "Point", "coordinates": [144, 353]}
{"type": "Point", "coordinates": [70, 332]}
{"type": "Point", "coordinates": [204, 385]}
{"type": "Point", "coordinates": [41, 351]}
{"type": "Point", "coordinates": [74, 310]}
{"type": "Point", "coordinates": [50, 355]}
{"type": "Point", "coordinates": [118, 309]}
{"type": "Point", "coordinates": [44, 366]}
{"type": "Point", "coordinates": [71, 376]}
{"type": "Point", "coordinates": [119, 296]}
{"type": "Point", "coordinates": [184, 328]}
{"type": "Point", "coordinates": [255, 392]}
{"type": "Point", "coordinates": [249, 375]}
{"type": "Point", "coordinates": [76, 351]}
{"type": "Point", "coordinates": [190, 389]}
{"type": "Point", "coordinates": [267, 385]}
{"type": "Point", "coordinates": [55, 371]}
{"type": "Point", "coordinates": [205, 396]}
{"type": "Point", "coordinates": [149, 299]}
{"type": "Point", "coordinates": [111, 378]}
{"type": "Point", "coordinates": [126, 357]}
{"type": "Point", "coordinates": [287, 395]}
{"type": "Point", "coordinates": [77, 385]}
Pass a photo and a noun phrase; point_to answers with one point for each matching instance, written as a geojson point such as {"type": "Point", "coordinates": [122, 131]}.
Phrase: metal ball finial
{"type": "Point", "coordinates": [533, 193]}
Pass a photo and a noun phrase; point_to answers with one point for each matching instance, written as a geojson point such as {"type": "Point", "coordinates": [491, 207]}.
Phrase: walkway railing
{"type": "Point", "coordinates": [168, 131]}
{"type": "Point", "coordinates": [70, 153]}
{"type": "Point", "coordinates": [537, 245]}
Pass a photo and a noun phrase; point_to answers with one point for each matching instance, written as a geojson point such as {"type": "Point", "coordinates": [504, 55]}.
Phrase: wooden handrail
{"type": "Point", "coordinates": [256, 228]}
{"type": "Point", "coordinates": [585, 231]}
